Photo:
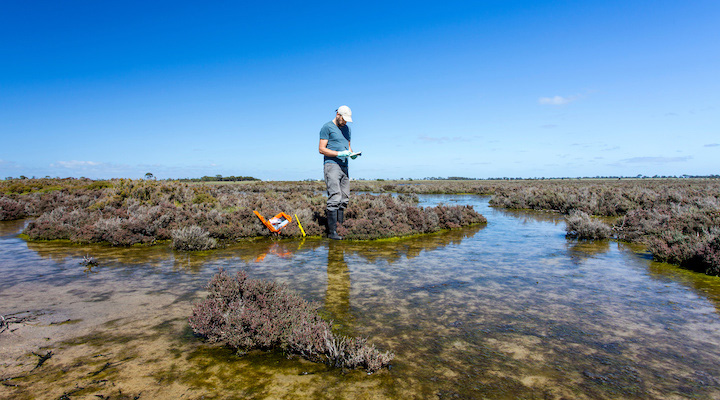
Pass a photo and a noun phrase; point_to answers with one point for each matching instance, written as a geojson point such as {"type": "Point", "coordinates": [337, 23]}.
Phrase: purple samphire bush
{"type": "Point", "coordinates": [250, 314]}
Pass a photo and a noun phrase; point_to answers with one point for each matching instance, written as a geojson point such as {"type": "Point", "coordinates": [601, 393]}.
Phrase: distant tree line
{"type": "Point", "coordinates": [220, 178]}
{"type": "Point", "coordinates": [23, 177]}
{"type": "Point", "coordinates": [450, 178]}
{"type": "Point", "coordinates": [505, 178]}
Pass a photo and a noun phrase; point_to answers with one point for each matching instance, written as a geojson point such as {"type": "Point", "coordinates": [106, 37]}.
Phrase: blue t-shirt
{"type": "Point", "coordinates": [338, 138]}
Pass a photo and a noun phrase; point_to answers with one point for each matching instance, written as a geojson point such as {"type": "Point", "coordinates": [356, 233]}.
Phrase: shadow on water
{"type": "Point", "coordinates": [511, 310]}
{"type": "Point", "coordinates": [337, 294]}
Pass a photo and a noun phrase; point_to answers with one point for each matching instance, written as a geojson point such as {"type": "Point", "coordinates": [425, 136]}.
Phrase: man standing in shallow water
{"type": "Point", "coordinates": [335, 146]}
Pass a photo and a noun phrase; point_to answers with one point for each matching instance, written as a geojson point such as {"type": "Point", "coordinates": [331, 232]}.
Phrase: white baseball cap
{"type": "Point", "coordinates": [345, 112]}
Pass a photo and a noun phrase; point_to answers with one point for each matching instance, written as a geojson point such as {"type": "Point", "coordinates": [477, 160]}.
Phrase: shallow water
{"type": "Point", "coordinates": [508, 310]}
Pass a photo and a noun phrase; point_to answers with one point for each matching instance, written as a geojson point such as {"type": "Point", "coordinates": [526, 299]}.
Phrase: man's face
{"type": "Point", "coordinates": [341, 120]}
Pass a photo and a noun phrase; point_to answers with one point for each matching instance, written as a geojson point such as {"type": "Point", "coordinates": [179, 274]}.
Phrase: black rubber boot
{"type": "Point", "coordinates": [332, 217]}
{"type": "Point", "coordinates": [341, 215]}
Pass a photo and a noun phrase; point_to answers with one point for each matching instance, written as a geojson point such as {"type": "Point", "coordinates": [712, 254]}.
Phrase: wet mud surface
{"type": "Point", "coordinates": [511, 310]}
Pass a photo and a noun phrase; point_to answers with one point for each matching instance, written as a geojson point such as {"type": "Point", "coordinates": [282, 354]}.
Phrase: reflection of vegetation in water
{"type": "Point", "coordinates": [11, 228]}
{"type": "Point", "coordinates": [703, 285]}
{"type": "Point", "coordinates": [250, 251]}
{"type": "Point", "coordinates": [60, 251]}
{"type": "Point", "coordinates": [393, 249]}
{"type": "Point", "coordinates": [529, 216]}
{"type": "Point", "coordinates": [578, 250]}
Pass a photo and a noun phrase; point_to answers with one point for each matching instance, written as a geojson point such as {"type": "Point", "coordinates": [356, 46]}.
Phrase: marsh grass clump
{"type": "Point", "coordinates": [247, 314]}
{"type": "Point", "coordinates": [582, 226]}
{"type": "Point", "coordinates": [192, 238]}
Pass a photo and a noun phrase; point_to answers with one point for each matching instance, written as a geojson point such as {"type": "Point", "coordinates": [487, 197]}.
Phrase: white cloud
{"type": "Point", "coordinates": [442, 139]}
{"type": "Point", "coordinates": [655, 160]}
{"type": "Point", "coordinates": [6, 166]}
{"type": "Point", "coordinates": [712, 145]}
{"type": "Point", "coordinates": [557, 100]}
{"type": "Point", "coordinates": [75, 164]}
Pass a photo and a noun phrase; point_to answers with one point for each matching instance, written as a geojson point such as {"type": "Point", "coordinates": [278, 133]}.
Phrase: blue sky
{"type": "Point", "coordinates": [476, 89]}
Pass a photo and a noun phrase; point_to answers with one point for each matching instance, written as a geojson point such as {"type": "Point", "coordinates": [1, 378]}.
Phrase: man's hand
{"type": "Point", "coordinates": [344, 154]}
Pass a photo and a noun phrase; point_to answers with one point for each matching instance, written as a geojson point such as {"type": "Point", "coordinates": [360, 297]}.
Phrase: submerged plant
{"type": "Point", "coordinates": [88, 261]}
{"type": "Point", "coordinates": [247, 314]}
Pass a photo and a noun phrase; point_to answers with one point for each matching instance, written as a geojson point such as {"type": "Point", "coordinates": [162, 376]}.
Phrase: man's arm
{"type": "Point", "coordinates": [324, 150]}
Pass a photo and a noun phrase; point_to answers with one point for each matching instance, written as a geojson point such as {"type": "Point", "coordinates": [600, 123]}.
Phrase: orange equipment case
{"type": "Point", "coordinates": [280, 221]}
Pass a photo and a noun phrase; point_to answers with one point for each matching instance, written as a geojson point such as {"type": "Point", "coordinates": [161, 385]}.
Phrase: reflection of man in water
{"type": "Point", "coordinates": [337, 296]}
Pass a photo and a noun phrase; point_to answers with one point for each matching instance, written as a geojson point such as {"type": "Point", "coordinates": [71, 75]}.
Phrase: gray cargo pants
{"type": "Point", "coordinates": [338, 186]}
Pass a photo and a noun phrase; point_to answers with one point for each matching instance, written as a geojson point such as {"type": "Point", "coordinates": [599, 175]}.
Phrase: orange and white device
{"type": "Point", "coordinates": [276, 223]}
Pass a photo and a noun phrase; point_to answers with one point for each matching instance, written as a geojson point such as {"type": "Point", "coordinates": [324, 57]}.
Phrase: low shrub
{"type": "Point", "coordinates": [247, 314]}
{"type": "Point", "coordinates": [192, 238]}
{"type": "Point", "coordinates": [675, 247]}
{"type": "Point", "coordinates": [11, 209]}
{"type": "Point", "coordinates": [709, 254]}
{"type": "Point", "coordinates": [683, 235]}
{"type": "Point", "coordinates": [582, 226]}
{"type": "Point", "coordinates": [372, 217]}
